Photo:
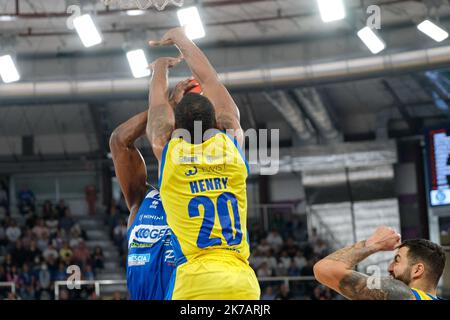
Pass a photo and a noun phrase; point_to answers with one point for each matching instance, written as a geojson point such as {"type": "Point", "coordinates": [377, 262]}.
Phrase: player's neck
{"type": "Point", "coordinates": [424, 286]}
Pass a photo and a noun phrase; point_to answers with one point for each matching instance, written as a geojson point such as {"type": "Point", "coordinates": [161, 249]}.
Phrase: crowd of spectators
{"type": "Point", "coordinates": [38, 246]}
{"type": "Point", "coordinates": [287, 251]}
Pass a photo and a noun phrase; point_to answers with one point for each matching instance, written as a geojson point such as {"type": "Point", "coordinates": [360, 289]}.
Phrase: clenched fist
{"type": "Point", "coordinates": [384, 239]}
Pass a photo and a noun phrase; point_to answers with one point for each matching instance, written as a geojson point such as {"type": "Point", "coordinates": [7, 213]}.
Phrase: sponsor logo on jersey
{"type": "Point", "coordinates": [149, 234]}
{"type": "Point", "coordinates": [138, 259]}
{"type": "Point", "coordinates": [140, 245]}
{"type": "Point", "coordinates": [152, 217]}
{"type": "Point", "coordinates": [169, 256]}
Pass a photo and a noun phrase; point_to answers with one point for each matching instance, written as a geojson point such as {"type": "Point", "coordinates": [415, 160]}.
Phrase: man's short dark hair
{"type": "Point", "coordinates": [430, 254]}
{"type": "Point", "coordinates": [194, 107]}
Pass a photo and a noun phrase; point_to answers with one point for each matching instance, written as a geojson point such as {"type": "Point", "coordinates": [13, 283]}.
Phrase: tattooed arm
{"type": "Point", "coordinates": [336, 270]}
{"type": "Point", "coordinates": [161, 119]}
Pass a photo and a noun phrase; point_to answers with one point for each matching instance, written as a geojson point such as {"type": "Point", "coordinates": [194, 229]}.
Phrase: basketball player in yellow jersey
{"type": "Point", "coordinates": [202, 180]}
{"type": "Point", "coordinates": [415, 270]}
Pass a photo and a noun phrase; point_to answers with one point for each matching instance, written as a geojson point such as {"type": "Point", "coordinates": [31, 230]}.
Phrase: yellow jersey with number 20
{"type": "Point", "coordinates": [203, 190]}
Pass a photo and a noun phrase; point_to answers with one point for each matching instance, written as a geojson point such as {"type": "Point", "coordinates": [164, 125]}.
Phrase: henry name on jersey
{"type": "Point", "coordinates": [203, 185]}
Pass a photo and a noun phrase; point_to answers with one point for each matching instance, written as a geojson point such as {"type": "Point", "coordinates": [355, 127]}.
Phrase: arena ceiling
{"type": "Point", "coordinates": [240, 35]}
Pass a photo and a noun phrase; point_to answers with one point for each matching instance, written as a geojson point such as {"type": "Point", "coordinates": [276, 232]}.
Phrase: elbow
{"type": "Point", "coordinates": [115, 140]}
{"type": "Point", "coordinates": [325, 271]}
{"type": "Point", "coordinates": [319, 271]}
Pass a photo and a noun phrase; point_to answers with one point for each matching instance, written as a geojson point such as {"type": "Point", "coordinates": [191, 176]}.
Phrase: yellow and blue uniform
{"type": "Point", "coordinates": [203, 190]}
{"type": "Point", "coordinates": [421, 295]}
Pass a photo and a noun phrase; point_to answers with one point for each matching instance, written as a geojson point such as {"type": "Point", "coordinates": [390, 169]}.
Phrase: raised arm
{"type": "Point", "coordinates": [130, 167]}
{"type": "Point", "coordinates": [336, 270]}
{"type": "Point", "coordinates": [227, 113]}
{"type": "Point", "coordinates": [160, 117]}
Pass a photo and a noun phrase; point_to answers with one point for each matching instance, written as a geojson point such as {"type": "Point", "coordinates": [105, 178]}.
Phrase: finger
{"type": "Point", "coordinates": [160, 43]}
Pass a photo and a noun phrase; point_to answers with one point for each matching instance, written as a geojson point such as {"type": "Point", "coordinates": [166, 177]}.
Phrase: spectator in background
{"type": "Point", "coordinates": [61, 208]}
{"type": "Point", "coordinates": [300, 260]}
{"type": "Point", "coordinates": [33, 252]}
{"type": "Point", "coordinates": [98, 258]}
{"type": "Point", "coordinates": [264, 247]}
{"type": "Point", "coordinates": [25, 276]}
{"type": "Point", "coordinates": [8, 263]}
{"type": "Point", "coordinates": [19, 254]}
{"type": "Point", "coordinates": [268, 294]}
{"type": "Point", "coordinates": [91, 199]}
{"type": "Point", "coordinates": [13, 232]}
{"type": "Point", "coordinates": [60, 274]}
{"type": "Point", "coordinates": [59, 239]}
{"type": "Point", "coordinates": [113, 217]}
{"type": "Point", "coordinates": [75, 236]}
{"type": "Point", "coordinates": [256, 259]}
{"type": "Point", "coordinates": [52, 223]}
{"type": "Point", "coordinates": [42, 243]}
{"type": "Point", "coordinates": [120, 232]}
{"type": "Point", "coordinates": [284, 294]}
{"type": "Point", "coordinates": [28, 293]}
{"type": "Point", "coordinates": [26, 201]}
{"type": "Point", "coordinates": [50, 253]}
{"type": "Point", "coordinates": [290, 247]}
{"type": "Point", "coordinates": [88, 273]}
{"type": "Point", "coordinates": [270, 259]}
{"type": "Point", "coordinates": [47, 209]}
{"type": "Point", "coordinates": [321, 293]}
{"type": "Point", "coordinates": [27, 237]}
{"type": "Point", "coordinates": [65, 253]}
{"type": "Point", "coordinates": [274, 239]}
{"type": "Point", "coordinates": [264, 271]}
{"type": "Point", "coordinates": [117, 296]}
{"type": "Point", "coordinates": [283, 264]}
{"type": "Point", "coordinates": [44, 276]}
{"type": "Point", "coordinates": [293, 270]}
{"type": "Point", "coordinates": [308, 269]}
{"type": "Point", "coordinates": [13, 276]}
{"type": "Point", "coordinates": [81, 253]}
{"type": "Point", "coordinates": [66, 222]}
{"type": "Point", "coordinates": [4, 198]}
{"type": "Point", "coordinates": [40, 230]}
{"type": "Point", "coordinates": [320, 248]}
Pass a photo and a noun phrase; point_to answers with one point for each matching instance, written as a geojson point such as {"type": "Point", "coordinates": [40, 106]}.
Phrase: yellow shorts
{"type": "Point", "coordinates": [214, 277]}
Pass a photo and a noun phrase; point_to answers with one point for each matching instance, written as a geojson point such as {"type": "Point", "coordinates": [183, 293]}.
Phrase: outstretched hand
{"type": "Point", "coordinates": [169, 38]}
{"type": "Point", "coordinates": [166, 62]}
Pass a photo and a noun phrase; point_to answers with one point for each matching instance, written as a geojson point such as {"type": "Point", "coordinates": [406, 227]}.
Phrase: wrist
{"type": "Point", "coordinates": [372, 247]}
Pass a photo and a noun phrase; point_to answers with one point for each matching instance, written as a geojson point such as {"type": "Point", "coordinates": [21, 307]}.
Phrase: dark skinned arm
{"type": "Point", "coordinates": [130, 167]}
{"type": "Point", "coordinates": [227, 113]}
{"type": "Point", "coordinates": [160, 117]}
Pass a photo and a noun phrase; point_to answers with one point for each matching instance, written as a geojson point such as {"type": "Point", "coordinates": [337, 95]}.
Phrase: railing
{"type": "Point", "coordinates": [12, 285]}
{"type": "Point", "coordinates": [96, 283]}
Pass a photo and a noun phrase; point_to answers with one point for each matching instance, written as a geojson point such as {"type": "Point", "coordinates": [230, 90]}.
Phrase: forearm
{"type": "Point", "coordinates": [160, 115]}
{"type": "Point", "coordinates": [352, 255]}
{"type": "Point", "coordinates": [159, 86]}
{"type": "Point", "coordinates": [227, 113]}
{"type": "Point", "coordinates": [201, 68]}
{"type": "Point", "coordinates": [128, 132]}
